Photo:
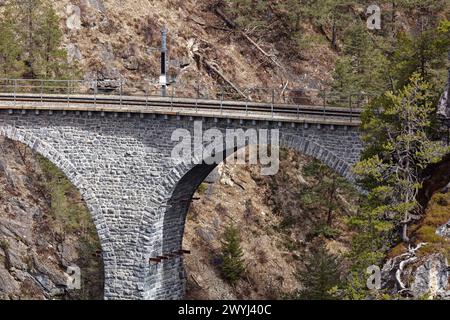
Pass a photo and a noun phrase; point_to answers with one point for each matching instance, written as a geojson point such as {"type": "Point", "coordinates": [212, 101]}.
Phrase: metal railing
{"type": "Point", "coordinates": [292, 99]}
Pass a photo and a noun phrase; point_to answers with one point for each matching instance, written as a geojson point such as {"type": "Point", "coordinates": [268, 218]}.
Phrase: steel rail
{"type": "Point", "coordinates": [170, 102]}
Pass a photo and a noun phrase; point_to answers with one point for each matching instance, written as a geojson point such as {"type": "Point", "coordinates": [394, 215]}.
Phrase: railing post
{"type": "Point", "coordinates": [298, 111]}
{"type": "Point", "coordinates": [146, 97]}
{"type": "Point", "coordinates": [221, 100]}
{"type": "Point", "coordinates": [95, 92]}
{"type": "Point", "coordinates": [68, 93]}
{"type": "Point", "coordinates": [171, 99]}
{"type": "Point", "coordinates": [15, 91]}
{"type": "Point", "coordinates": [273, 100]}
{"type": "Point", "coordinates": [324, 103]}
{"type": "Point", "coordinates": [351, 108]}
{"type": "Point", "coordinates": [196, 100]}
{"type": "Point", "coordinates": [120, 92]}
{"type": "Point", "coordinates": [42, 89]}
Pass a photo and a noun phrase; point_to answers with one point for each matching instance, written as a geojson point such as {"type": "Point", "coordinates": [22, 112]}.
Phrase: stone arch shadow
{"type": "Point", "coordinates": [187, 179]}
{"type": "Point", "coordinates": [87, 194]}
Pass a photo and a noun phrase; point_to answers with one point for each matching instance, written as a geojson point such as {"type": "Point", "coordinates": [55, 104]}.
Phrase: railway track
{"type": "Point", "coordinates": [174, 104]}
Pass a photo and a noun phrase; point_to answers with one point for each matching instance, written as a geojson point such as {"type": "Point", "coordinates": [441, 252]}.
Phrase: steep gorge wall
{"type": "Point", "coordinates": [113, 40]}
{"type": "Point", "coordinates": [44, 228]}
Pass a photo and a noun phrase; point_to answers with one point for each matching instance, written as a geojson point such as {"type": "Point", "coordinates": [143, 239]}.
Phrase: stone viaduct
{"type": "Point", "coordinates": [120, 160]}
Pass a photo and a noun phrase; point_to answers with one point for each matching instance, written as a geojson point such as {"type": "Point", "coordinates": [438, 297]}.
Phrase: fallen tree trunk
{"type": "Point", "coordinates": [228, 22]}
{"type": "Point", "coordinates": [397, 266]}
{"type": "Point", "coordinates": [210, 66]}
{"type": "Point", "coordinates": [232, 25]}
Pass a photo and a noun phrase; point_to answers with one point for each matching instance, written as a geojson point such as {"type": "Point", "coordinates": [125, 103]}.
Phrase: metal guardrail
{"type": "Point", "coordinates": [268, 100]}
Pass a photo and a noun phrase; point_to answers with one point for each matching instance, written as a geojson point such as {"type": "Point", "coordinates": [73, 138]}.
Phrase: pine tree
{"type": "Point", "coordinates": [232, 262]}
{"type": "Point", "coordinates": [10, 50]}
{"type": "Point", "coordinates": [424, 54]}
{"type": "Point", "coordinates": [323, 194]}
{"type": "Point", "coordinates": [398, 148]}
{"type": "Point", "coordinates": [28, 13]}
{"type": "Point", "coordinates": [362, 68]}
{"type": "Point", "coordinates": [321, 275]}
{"type": "Point", "coordinates": [30, 45]}
{"type": "Point", "coordinates": [331, 14]}
{"type": "Point", "coordinates": [52, 58]}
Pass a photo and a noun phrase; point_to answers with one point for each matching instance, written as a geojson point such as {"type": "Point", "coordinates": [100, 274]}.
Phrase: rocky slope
{"type": "Point", "coordinates": [119, 40]}
{"type": "Point", "coordinates": [44, 228]}
{"type": "Point", "coordinates": [277, 230]}
{"type": "Point", "coordinates": [424, 268]}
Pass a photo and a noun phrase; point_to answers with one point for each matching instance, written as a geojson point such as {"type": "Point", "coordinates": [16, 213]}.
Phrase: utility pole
{"type": "Point", "coordinates": [163, 76]}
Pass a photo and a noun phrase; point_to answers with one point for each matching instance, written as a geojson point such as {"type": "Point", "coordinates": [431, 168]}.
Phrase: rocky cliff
{"type": "Point", "coordinates": [277, 229]}
{"type": "Point", "coordinates": [116, 41]}
{"type": "Point", "coordinates": [44, 229]}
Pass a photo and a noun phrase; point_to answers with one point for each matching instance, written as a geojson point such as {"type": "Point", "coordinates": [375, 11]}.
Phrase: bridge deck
{"type": "Point", "coordinates": [182, 107]}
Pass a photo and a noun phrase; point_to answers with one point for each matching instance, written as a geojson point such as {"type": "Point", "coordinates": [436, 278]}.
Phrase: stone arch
{"type": "Point", "coordinates": [176, 193]}
{"type": "Point", "coordinates": [88, 195]}
{"type": "Point", "coordinates": [189, 177]}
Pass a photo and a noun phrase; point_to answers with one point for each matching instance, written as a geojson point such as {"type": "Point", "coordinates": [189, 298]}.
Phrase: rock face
{"type": "Point", "coordinates": [444, 230]}
{"type": "Point", "coordinates": [215, 175]}
{"type": "Point", "coordinates": [36, 245]}
{"type": "Point", "coordinates": [73, 53]}
{"type": "Point", "coordinates": [97, 4]}
{"type": "Point", "coordinates": [259, 207]}
{"type": "Point", "coordinates": [417, 276]}
{"type": "Point", "coordinates": [431, 278]}
{"type": "Point", "coordinates": [73, 21]}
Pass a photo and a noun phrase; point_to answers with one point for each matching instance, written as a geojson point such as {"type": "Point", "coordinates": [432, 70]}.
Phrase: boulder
{"type": "Point", "coordinates": [431, 277]}
{"type": "Point", "coordinates": [205, 233]}
{"type": "Point", "coordinates": [98, 5]}
{"type": "Point", "coordinates": [444, 230]}
{"type": "Point", "coordinates": [215, 175]}
{"type": "Point", "coordinates": [131, 63]}
{"type": "Point", "coordinates": [73, 22]}
{"type": "Point", "coordinates": [73, 53]}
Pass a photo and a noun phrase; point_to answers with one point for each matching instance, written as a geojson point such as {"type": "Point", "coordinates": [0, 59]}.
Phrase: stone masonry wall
{"type": "Point", "coordinates": [138, 196]}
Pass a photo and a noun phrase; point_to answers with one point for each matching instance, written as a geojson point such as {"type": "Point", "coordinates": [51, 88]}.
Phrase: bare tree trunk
{"type": "Point", "coordinates": [331, 199]}
{"type": "Point", "coordinates": [405, 237]}
{"type": "Point", "coordinates": [394, 18]}
{"type": "Point", "coordinates": [334, 35]}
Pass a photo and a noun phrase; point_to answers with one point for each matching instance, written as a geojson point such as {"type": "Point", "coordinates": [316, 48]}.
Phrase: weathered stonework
{"type": "Point", "coordinates": [137, 194]}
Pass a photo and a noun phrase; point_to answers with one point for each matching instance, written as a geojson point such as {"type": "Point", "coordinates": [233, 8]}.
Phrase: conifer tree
{"type": "Point", "coordinates": [52, 57]}
{"type": "Point", "coordinates": [30, 45]}
{"type": "Point", "coordinates": [10, 49]}
{"type": "Point", "coordinates": [324, 193]}
{"type": "Point", "coordinates": [321, 275]}
{"type": "Point", "coordinates": [232, 262]}
{"type": "Point", "coordinates": [398, 148]}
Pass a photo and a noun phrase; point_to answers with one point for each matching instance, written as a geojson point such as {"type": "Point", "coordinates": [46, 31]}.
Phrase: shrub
{"type": "Point", "coordinates": [441, 200]}
{"type": "Point", "coordinates": [288, 222]}
{"type": "Point", "coordinates": [202, 188]}
{"type": "Point", "coordinates": [324, 230]}
{"type": "Point", "coordinates": [4, 244]}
